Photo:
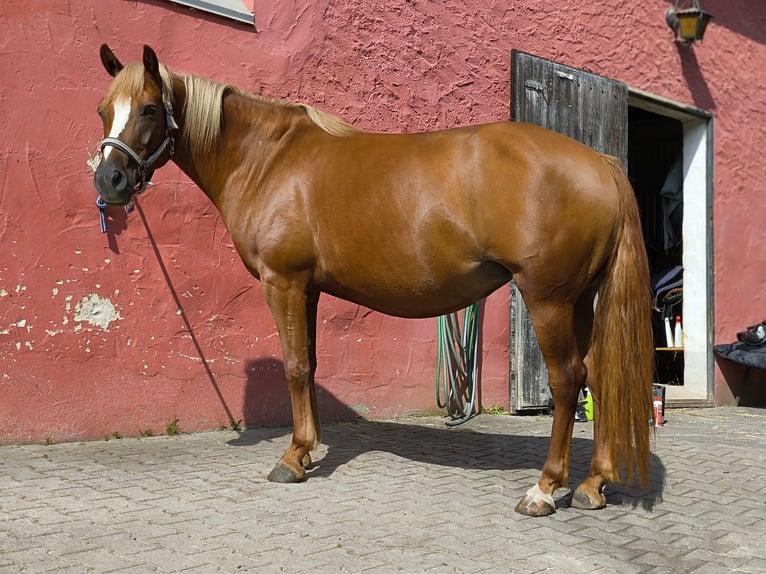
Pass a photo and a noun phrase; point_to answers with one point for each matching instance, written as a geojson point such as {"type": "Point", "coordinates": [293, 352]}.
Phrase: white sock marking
{"type": "Point", "coordinates": [535, 493]}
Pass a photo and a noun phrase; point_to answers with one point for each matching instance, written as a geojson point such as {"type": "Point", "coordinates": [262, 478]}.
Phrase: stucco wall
{"type": "Point", "coordinates": [92, 340]}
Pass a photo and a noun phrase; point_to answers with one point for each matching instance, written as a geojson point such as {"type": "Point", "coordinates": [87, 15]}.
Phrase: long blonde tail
{"type": "Point", "coordinates": [622, 344]}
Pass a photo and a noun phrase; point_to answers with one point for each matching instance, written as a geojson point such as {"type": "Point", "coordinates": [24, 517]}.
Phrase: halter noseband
{"type": "Point", "coordinates": [145, 165]}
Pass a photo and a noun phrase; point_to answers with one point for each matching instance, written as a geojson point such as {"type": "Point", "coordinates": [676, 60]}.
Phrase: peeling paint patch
{"type": "Point", "coordinates": [198, 359]}
{"type": "Point", "coordinates": [97, 311]}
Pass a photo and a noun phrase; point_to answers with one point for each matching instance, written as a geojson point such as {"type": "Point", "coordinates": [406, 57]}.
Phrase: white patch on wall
{"type": "Point", "coordinates": [99, 312]}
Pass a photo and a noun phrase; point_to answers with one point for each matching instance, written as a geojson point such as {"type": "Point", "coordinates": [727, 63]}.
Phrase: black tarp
{"type": "Point", "coordinates": [743, 354]}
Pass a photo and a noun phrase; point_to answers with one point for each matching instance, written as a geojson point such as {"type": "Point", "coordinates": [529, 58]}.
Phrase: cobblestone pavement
{"type": "Point", "coordinates": [402, 495]}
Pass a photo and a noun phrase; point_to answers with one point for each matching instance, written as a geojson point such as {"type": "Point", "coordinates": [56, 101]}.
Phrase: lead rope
{"type": "Point", "coordinates": [456, 364]}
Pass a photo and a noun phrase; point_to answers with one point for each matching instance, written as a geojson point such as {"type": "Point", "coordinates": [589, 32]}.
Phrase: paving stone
{"type": "Point", "coordinates": [403, 495]}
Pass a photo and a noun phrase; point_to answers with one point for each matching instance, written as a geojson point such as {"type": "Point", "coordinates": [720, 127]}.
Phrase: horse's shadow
{"type": "Point", "coordinates": [468, 447]}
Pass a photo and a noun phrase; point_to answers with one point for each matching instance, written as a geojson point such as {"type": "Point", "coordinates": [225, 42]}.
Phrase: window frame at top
{"type": "Point", "coordinates": [227, 8]}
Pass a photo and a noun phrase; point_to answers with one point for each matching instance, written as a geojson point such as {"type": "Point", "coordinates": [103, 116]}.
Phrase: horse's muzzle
{"type": "Point", "coordinates": [116, 184]}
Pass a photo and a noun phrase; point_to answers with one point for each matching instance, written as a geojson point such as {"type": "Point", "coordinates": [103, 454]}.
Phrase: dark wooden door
{"type": "Point", "coordinates": [589, 108]}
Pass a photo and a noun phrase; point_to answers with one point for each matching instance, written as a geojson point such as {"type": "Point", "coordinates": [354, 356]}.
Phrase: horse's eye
{"type": "Point", "coordinates": [149, 111]}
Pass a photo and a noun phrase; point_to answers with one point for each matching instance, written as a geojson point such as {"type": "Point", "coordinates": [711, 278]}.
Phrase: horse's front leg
{"type": "Point", "coordinates": [290, 306]}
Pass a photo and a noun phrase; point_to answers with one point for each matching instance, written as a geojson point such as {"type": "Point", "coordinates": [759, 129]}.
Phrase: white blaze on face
{"type": "Point", "coordinates": [119, 121]}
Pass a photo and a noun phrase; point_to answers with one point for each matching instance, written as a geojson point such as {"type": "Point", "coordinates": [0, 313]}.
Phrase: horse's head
{"type": "Point", "coordinates": [138, 123]}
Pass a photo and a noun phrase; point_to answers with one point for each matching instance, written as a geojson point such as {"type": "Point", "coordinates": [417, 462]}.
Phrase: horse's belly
{"type": "Point", "coordinates": [405, 294]}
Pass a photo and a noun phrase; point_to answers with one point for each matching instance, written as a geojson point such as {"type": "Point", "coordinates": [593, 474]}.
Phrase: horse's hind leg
{"type": "Point", "coordinates": [554, 326]}
{"type": "Point", "coordinates": [589, 495]}
{"type": "Point", "coordinates": [292, 309]}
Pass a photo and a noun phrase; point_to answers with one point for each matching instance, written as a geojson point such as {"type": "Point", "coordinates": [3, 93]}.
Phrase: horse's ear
{"type": "Point", "coordinates": [110, 61]}
{"type": "Point", "coordinates": [152, 65]}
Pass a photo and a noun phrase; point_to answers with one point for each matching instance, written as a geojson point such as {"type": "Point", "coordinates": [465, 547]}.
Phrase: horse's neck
{"type": "Point", "coordinates": [246, 120]}
{"type": "Point", "coordinates": [182, 155]}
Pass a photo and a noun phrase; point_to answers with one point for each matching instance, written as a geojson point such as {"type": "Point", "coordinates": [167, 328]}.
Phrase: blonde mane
{"type": "Point", "coordinates": [203, 110]}
{"type": "Point", "coordinates": [204, 105]}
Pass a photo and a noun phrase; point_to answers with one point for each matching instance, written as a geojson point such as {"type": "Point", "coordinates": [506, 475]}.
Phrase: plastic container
{"type": "Point", "coordinates": [678, 335]}
{"type": "Point", "coordinates": [668, 334]}
{"type": "Point", "coordinates": [588, 404]}
{"type": "Point", "coordinates": [657, 411]}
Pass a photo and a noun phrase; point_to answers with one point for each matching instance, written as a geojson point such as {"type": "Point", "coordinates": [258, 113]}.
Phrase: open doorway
{"type": "Point", "coordinates": [669, 166]}
{"type": "Point", "coordinates": [655, 169]}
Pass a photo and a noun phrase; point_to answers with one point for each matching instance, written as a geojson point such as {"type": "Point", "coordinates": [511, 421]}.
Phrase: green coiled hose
{"type": "Point", "coordinates": [456, 364]}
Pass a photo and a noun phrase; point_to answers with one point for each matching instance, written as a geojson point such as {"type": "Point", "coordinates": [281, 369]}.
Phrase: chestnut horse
{"type": "Point", "coordinates": [412, 225]}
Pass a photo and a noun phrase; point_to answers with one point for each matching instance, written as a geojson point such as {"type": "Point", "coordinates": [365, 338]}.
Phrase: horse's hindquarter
{"type": "Point", "coordinates": [422, 224]}
{"type": "Point", "coordinates": [553, 209]}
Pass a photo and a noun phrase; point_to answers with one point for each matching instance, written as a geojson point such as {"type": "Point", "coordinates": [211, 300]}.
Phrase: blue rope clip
{"type": "Point", "coordinates": [101, 204]}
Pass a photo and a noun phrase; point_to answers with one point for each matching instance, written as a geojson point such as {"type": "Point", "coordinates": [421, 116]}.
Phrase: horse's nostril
{"type": "Point", "coordinates": [116, 177]}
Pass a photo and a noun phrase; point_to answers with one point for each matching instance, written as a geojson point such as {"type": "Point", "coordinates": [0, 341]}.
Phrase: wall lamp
{"type": "Point", "coordinates": [689, 23]}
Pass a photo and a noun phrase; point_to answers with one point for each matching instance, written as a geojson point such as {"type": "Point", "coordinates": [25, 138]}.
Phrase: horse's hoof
{"type": "Point", "coordinates": [536, 503]}
{"type": "Point", "coordinates": [284, 474]}
{"type": "Point", "coordinates": [584, 501]}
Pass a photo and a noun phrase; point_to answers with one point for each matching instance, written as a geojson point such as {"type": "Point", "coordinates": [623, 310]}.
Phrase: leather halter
{"type": "Point", "coordinates": [146, 165]}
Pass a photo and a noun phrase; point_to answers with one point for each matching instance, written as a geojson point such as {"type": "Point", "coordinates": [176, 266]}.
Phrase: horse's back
{"type": "Point", "coordinates": [503, 170]}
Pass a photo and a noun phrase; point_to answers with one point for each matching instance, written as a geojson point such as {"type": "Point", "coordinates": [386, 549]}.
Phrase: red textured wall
{"type": "Point", "coordinates": [92, 340]}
